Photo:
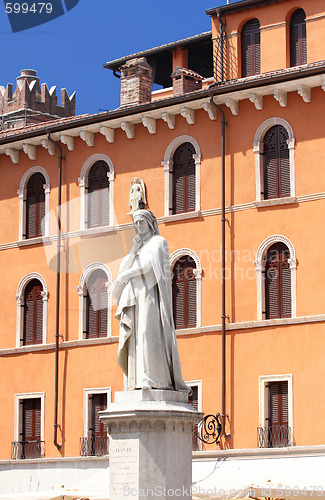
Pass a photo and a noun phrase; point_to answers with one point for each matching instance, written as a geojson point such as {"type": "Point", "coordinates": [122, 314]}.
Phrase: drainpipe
{"type": "Point", "coordinates": [57, 335]}
{"type": "Point", "coordinates": [223, 265]}
{"type": "Point", "coordinates": [222, 25]}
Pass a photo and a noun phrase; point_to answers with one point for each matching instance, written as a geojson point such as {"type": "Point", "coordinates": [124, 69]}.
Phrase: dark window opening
{"type": "Point", "coordinates": [184, 293]}
{"type": "Point", "coordinates": [250, 48]}
{"type": "Point", "coordinates": [298, 41]}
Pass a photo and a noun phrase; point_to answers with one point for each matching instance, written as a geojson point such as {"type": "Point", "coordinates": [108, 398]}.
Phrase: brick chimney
{"type": "Point", "coordinates": [185, 80]}
{"type": "Point", "coordinates": [136, 80]}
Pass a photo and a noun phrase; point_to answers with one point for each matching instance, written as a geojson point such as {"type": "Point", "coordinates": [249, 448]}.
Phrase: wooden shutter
{"type": "Point", "coordinates": [298, 40]}
{"type": "Point", "coordinates": [276, 163]}
{"type": "Point", "coordinates": [98, 195]}
{"type": "Point", "coordinates": [184, 179]}
{"type": "Point", "coordinates": [96, 304]}
{"type": "Point", "coordinates": [184, 293]}
{"type": "Point", "coordinates": [278, 413]}
{"type": "Point", "coordinates": [33, 313]}
{"type": "Point", "coordinates": [278, 282]}
{"type": "Point", "coordinates": [98, 403]}
{"type": "Point", "coordinates": [193, 399]}
{"type": "Point", "coordinates": [250, 48]}
{"type": "Point", "coordinates": [31, 428]}
{"type": "Point", "coordinates": [35, 205]}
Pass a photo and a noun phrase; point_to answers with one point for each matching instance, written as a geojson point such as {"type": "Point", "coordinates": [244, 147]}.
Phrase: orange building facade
{"type": "Point", "coordinates": [263, 67]}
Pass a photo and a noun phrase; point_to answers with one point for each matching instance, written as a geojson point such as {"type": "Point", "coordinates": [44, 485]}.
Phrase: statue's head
{"type": "Point", "coordinates": [143, 218]}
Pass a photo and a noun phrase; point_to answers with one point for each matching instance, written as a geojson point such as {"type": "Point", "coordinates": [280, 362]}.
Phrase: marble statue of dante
{"type": "Point", "coordinates": [148, 353]}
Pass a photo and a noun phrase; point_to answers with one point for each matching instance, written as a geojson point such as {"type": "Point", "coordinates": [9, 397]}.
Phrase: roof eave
{"type": "Point", "coordinates": [238, 6]}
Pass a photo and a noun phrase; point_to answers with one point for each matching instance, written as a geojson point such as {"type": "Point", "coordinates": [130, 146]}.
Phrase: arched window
{"type": "Point", "coordinates": [250, 48]}
{"type": "Point", "coordinates": [35, 206]}
{"type": "Point", "coordinates": [298, 41]}
{"type": "Point", "coordinates": [184, 179]}
{"type": "Point", "coordinates": [94, 301]}
{"type": "Point", "coordinates": [33, 313]}
{"type": "Point", "coordinates": [96, 183]}
{"type": "Point", "coordinates": [278, 282]}
{"type": "Point", "coordinates": [96, 305]}
{"type": "Point", "coordinates": [34, 196]}
{"type": "Point", "coordinates": [276, 268]}
{"type": "Point", "coordinates": [182, 163]}
{"type": "Point", "coordinates": [184, 293]}
{"type": "Point", "coordinates": [98, 195]}
{"type": "Point", "coordinates": [274, 149]}
{"type": "Point", "coordinates": [276, 163]}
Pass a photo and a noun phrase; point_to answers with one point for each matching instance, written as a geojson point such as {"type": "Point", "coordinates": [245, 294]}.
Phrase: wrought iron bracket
{"type": "Point", "coordinates": [209, 429]}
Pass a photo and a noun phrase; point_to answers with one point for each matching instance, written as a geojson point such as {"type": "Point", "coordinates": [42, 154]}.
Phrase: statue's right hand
{"type": "Point", "coordinates": [117, 289]}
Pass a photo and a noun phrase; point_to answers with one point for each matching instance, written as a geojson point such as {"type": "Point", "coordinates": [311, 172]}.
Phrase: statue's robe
{"type": "Point", "coordinates": [148, 353]}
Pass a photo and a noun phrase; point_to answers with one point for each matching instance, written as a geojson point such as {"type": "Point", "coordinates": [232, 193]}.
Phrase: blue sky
{"type": "Point", "coordinates": [69, 51]}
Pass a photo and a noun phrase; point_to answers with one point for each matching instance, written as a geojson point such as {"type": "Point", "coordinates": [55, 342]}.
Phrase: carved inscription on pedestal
{"type": "Point", "coordinates": [124, 467]}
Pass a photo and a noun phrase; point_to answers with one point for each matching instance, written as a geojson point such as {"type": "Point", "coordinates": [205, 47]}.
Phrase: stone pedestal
{"type": "Point", "coordinates": [150, 454]}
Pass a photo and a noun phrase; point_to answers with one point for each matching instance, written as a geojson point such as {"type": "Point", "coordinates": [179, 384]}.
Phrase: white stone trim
{"type": "Point", "coordinates": [18, 399]}
{"type": "Point", "coordinates": [259, 264]}
{"type": "Point", "coordinates": [167, 163]}
{"type": "Point", "coordinates": [198, 384]}
{"type": "Point", "coordinates": [22, 194]}
{"type": "Point", "coordinates": [258, 147]}
{"type": "Point", "coordinates": [83, 183]}
{"type": "Point", "coordinates": [20, 302]}
{"type": "Point", "coordinates": [88, 393]}
{"type": "Point", "coordinates": [82, 290]}
{"type": "Point", "coordinates": [197, 273]}
{"type": "Point", "coordinates": [263, 380]}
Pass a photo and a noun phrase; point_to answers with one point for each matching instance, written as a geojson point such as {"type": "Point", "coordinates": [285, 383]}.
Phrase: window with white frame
{"type": "Point", "coordinates": [275, 266]}
{"type": "Point", "coordinates": [275, 411]}
{"type": "Point", "coordinates": [274, 160]}
{"type": "Point", "coordinates": [95, 437]}
{"type": "Point", "coordinates": [34, 200]}
{"type": "Point", "coordinates": [195, 399]}
{"type": "Point", "coordinates": [96, 183]}
{"type": "Point", "coordinates": [31, 298]}
{"type": "Point", "coordinates": [186, 288]}
{"type": "Point", "coordinates": [181, 164]}
{"type": "Point", "coordinates": [29, 426]}
{"type": "Point", "coordinates": [95, 305]}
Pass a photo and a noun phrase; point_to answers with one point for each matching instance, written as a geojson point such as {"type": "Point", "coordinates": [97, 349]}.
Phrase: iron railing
{"type": "Point", "coordinates": [277, 436]}
{"type": "Point", "coordinates": [94, 446]}
{"type": "Point", "coordinates": [27, 449]}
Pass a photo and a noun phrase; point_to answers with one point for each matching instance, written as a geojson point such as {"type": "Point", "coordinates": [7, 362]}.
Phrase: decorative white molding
{"type": "Point", "coordinates": [263, 382]}
{"type": "Point", "coordinates": [22, 192]}
{"type": "Point", "coordinates": [86, 401]}
{"type": "Point", "coordinates": [88, 137]}
{"type": "Point", "coordinates": [167, 163]}
{"type": "Point", "coordinates": [233, 105]}
{"type": "Point", "coordinates": [82, 292]}
{"type": "Point", "coordinates": [20, 303]}
{"type": "Point", "coordinates": [150, 124]}
{"type": "Point", "coordinates": [30, 150]}
{"type": "Point", "coordinates": [49, 146]}
{"type": "Point", "coordinates": [169, 118]}
{"type": "Point", "coordinates": [258, 147]}
{"type": "Point", "coordinates": [210, 109]}
{"type": "Point", "coordinates": [197, 273]}
{"type": "Point", "coordinates": [189, 115]}
{"type": "Point", "coordinates": [275, 202]}
{"type": "Point", "coordinates": [68, 140]}
{"type": "Point", "coordinates": [281, 97]}
{"type": "Point", "coordinates": [260, 263]}
{"type": "Point", "coordinates": [13, 153]}
{"type": "Point", "coordinates": [128, 129]}
{"type": "Point", "coordinates": [257, 100]}
{"type": "Point", "coordinates": [304, 92]}
{"type": "Point", "coordinates": [108, 133]}
{"type": "Point", "coordinates": [17, 423]}
{"type": "Point", "coordinates": [83, 184]}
